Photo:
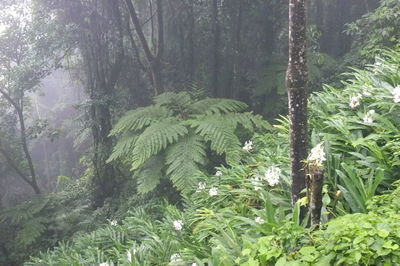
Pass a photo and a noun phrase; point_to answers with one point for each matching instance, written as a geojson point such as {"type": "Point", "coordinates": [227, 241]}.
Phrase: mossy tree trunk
{"type": "Point", "coordinates": [296, 82]}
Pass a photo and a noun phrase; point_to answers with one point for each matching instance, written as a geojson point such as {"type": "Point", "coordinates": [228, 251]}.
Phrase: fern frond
{"type": "Point", "coordinates": [183, 159]}
{"type": "Point", "coordinates": [216, 106]}
{"type": "Point", "coordinates": [150, 176]}
{"type": "Point", "coordinates": [124, 147]}
{"type": "Point", "coordinates": [30, 231]}
{"type": "Point", "coordinates": [138, 119]}
{"type": "Point", "coordinates": [219, 131]}
{"type": "Point", "coordinates": [248, 120]}
{"type": "Point", "coordinates": [155, 138]}
{"type": "Point", "coordinates": [25, 211]}
{"type": "Point", "coordinates": [172, 98]}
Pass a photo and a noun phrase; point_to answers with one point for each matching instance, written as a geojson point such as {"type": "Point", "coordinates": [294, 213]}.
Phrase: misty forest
{"type": "Point", "coordinates": [199, 132]}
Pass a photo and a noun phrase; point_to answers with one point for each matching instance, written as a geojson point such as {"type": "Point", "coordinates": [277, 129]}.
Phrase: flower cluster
{"type": "Point", "coordinates": [272, 176]}
{"type": "Point", "coordinates": [317, 155]}
{"type": "Point", "coordinates": [113, 223]}
{"type": "Point", "coordinates": [213, 191]}
{"type": "Point", "coordinates": [175, 258]}
{"type": "Point", "coordinates": [178, 225]}
{"type": "Point", "coordinates": [355, 101]}
{"type": "Point", "coordinates": [201, 186]}
{"type": "Point", "coordinates": [259, 220]}
{"type": "Point", "coordinates": [369, 117]}
{"type": "Point", "coordinates": [396, 94]}
{"type": "Point", "coordinates": [218, 173]}
{"type": "Point", "coordinates": [248, 146]}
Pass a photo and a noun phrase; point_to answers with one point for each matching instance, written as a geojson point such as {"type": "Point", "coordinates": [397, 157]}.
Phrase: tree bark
{"type": "Point", "coordinates": [315, 182]}
{"type": "Point", "coordinates": [154, 60]}
{"type": "Point", "coordinates": [32, 181]}
{"type": "Point", "coordinates": [296, 82]}
{"type": "Point", "coordinates": [191, 40]}
{"type": "Point", "coordinates": [215, 49]}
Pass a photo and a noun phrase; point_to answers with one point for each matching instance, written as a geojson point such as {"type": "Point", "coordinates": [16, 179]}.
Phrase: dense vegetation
{"type": "Point", "coordinates": [175, 168]}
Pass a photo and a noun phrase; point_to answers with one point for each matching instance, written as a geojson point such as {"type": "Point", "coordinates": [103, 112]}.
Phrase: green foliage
{"type": "Point", "coordinates": [236, 217]}
{"type": "Point", "coordinates": [377, 30]}
{"type": "Point", "coordinates": [181, 131]}
{"type": "Point", "coordinates": [362, 157]}
{"type": "Point", "coordinates": [354, 239]}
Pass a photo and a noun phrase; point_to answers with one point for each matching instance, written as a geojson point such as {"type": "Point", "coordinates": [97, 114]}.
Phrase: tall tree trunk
{"type": "Point", "coordinates": [319, 16]}
{"type": "Point", "coordinates": [26, 151]}
{"type": "Point", "coordinates": [296, 82]}
{"type": "Point", "coordinates": [154, 60]}
{"type": "Point", "coordinates": [215, 48]}
{"type": "Point", "coordinates": [191, 51]}
{"type": "Point", "coordinates": [236, 68]}
{"type": "Point", "coordinates": [18, 106]}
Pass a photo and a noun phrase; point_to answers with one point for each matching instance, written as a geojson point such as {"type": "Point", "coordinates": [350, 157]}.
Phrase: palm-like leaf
{"type": "Point", "coordinates": [155, 138]}
{"type": "Point", "coordinates": [183, 159]}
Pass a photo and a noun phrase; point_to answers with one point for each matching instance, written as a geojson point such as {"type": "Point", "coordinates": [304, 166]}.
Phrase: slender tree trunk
{"type": "Point", "coordinates": [315, 182]}
{"type": "Point", "coordinates": [154, 60]}
{"type": "Point", "coordinates": [191, 51]}
{"type": "Point", "coordinates": [215, 48]}
{"type": "Point", "coordinates": [19, 110]}
{"type": "Point", "coordinates": [296, 82]}
{"type": "Point", "coordinates": [26, 151]}
{"type": "Point", "coordinates": [319, 16]}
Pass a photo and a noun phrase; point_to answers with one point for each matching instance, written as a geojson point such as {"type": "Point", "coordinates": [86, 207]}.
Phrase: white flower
{"type": "Point", "coordinates": [104, 264]}
{"type": "Point", "coordinates": [129, 256]}
{"type": "Point", "coordinates": [213, 191]}
{"type": "Point", "coordinates": [113, 223]}
{"type": "Point", "coordinates": [255, 181]}
{"type": "Point", "coordinates": [368, 118]}
{"type": "Point", "coordinates": [218, 173]}
{"type": "Point", "coordinates": [201, 186]}
{"type": "Point", "coordinates": [272, 176]}
{"type": "Point", "coordinates": [259, 220]}
{"type": "Point", "coordinates": [366, 93]}
{"type": "Point", "coordinates": [248, 145]}
{"type": "Point", "coordinates": [355, 101]}
{"type": "Point", "coordinates": [178, 225]}
{"type": "Point", "coordinates": [194, 264]}
{"type": "Point", "coordinates": [396, 94]}
{"type": "Point", "coordinates": [317, 154]}
{"type": "Point", "coordinates": [175, 258]}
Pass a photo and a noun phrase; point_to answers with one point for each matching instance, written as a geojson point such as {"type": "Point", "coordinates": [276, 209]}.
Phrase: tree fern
{"type": "Point", "coordinates": [140, 118]}
{"type": "Point", "coordinates": [124, 146]}
{"type": "Point", "coordinates": [215, 106]}
{"type": "Point", "coordinates": [150, 175]}
{"type": "Point", "coordinates": [183, 159]}
{"type": "Point", "coordinates": [181, 129]}
{"type": "Point", "coordinates": [219, 131]}
{"type": "Point", "coordinates": [31, 230]}
{"type": "Point", "coordinates": [155, 138]}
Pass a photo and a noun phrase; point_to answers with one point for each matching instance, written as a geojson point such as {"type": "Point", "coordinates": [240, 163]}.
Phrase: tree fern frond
{"type": "Point", "coordinates": [172, 98]}
{"type": "Point", "coordinates": [183, 159]}
{"type": "Point", "coordinates": [150, 175]}
{"type": "Point", "coordinates": [30, 231]}
{"type": "Point", "coordinates": [155, 138]}
{"type": "Point", "coordinates": [138, 119]}
{"type": "Point", "coordinates": [124, 147]}
{"type": "Point", "coordinates": [219, 131]}
{"type": "Point", "coordinates": [248, 120]}
{"type": "Point", "coordinates": [216, 106]}
{"type": "Point", "coordinates": [25, 211]}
